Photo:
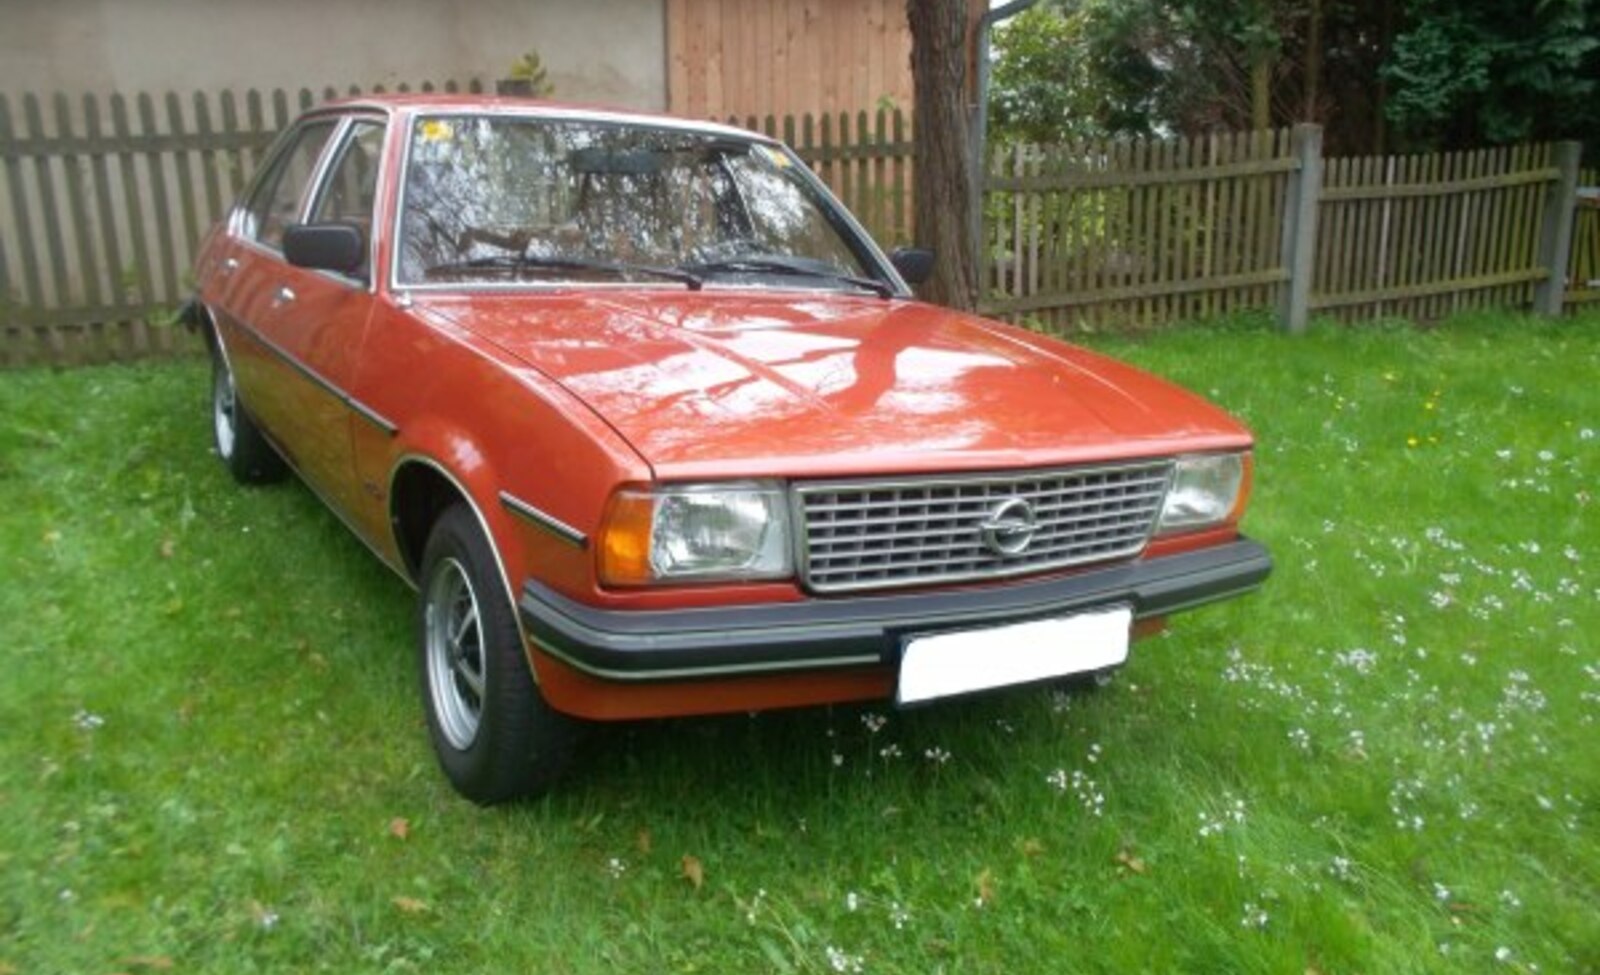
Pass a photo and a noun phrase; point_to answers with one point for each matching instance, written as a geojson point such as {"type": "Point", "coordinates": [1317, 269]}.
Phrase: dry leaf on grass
{"type": "Point", "coordinates": [985, 885]}
{"type": "Point", "coordinates": [400, 827]}
{"type": "Point", "coordinates": [410, 905]}
{"type": "Point", "coordinates": [693, 871]}
{"type": "Point", "coordinates": [149, 963]}
{"type": "Point", "coordinates": [644, 842]}
{"type": "Point", "coordinates": [1128, 861]}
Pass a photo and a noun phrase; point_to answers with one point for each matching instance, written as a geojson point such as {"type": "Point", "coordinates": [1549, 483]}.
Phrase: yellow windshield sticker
{"type": "Point", "coordinates": [436, 130]}
{"type": "Point", "coordinates": [777, 157]}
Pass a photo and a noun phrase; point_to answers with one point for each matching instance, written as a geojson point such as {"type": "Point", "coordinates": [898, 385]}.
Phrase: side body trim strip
{"type": "Point", "coordinates": [540, 519]}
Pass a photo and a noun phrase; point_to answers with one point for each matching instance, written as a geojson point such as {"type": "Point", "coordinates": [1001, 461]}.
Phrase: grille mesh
{"type": "Point", "coordinates": [873, 534]}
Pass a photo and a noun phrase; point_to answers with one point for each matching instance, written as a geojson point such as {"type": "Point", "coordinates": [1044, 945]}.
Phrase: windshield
{"type": "Point", "coordinates": [494, 198]}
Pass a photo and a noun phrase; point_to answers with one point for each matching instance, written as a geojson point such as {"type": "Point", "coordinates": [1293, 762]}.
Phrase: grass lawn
{"type": "Point", "coordinates": [212, 757]}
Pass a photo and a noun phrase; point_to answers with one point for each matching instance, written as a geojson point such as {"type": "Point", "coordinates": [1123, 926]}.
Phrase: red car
{"type": "Point", "coordinates": [654, 428]}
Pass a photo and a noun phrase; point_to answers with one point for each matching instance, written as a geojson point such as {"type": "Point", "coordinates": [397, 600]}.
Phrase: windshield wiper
{"type": "Point", "coordinates": [769, 265]}
{"type": "Point", "coordinates": [523, 262]}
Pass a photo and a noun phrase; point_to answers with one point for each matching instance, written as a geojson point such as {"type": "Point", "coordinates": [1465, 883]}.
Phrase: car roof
{"type": "Point", "coordinates": [479, 104]}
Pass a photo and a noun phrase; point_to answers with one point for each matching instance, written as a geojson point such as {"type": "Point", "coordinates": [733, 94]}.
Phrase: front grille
{"type": "Point", "coordinates": [878, 533]}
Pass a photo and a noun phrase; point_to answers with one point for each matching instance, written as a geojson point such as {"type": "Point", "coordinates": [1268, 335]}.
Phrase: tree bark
{"type": "Point", "coordinates": [1261, 91]}
{"type": "Point", "coordinates": [942, 154]}
{"type": "Point", "coordinates": [1313, 87]}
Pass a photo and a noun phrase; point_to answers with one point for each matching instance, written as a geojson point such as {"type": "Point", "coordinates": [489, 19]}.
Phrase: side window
{"type": "Point", "coordinates": [276, 201]}
{"type": "Point", "coordinates": [351, 189]}
{"type": "Point", "coordinates": [349, 193]}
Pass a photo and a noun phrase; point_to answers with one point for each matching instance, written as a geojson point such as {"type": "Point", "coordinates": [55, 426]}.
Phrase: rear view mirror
{"type": "Point", "coordinates": [337, 247]}
{"type": "Point", "coordinates": [915, 264]}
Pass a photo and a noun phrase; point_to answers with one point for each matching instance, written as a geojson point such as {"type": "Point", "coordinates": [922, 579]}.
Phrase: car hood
{"type": "Point", "coordinates": [713, 384]}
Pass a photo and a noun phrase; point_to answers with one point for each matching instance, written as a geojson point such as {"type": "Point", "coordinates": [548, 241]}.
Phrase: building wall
{"type": "Point", "coordinates": [610, 51]}
{"type": "Point", "coordinates": [738, 57]}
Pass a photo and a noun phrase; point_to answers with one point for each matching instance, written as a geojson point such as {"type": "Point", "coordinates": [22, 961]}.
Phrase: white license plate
{"type": "Point", "coordinates": [945, 664]}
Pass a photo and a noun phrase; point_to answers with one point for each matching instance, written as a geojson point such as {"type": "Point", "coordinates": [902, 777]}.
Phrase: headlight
{"type": "Point", "coordinates": [696, 533]}
{"type": "Point", "coordinates": [1205, 491]}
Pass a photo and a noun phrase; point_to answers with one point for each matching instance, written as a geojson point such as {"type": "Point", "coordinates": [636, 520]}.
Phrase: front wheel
{"type": "Point", "coordinates": [493, 733]}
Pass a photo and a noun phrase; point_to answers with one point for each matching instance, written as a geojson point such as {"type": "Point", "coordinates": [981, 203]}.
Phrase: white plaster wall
{"type": "Point", "coordinates": [608, 51]}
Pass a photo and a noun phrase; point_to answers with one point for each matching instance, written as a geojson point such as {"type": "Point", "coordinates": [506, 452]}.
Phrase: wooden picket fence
{"type": "Point", "coordinates": [864, 157]}
{"type": "Point", "coordinates": [1425, 236]}
{"type": "Point", "coordinates": [105, 201]}
{"type": "Point", "coordinates": [1584, 278]}
{"type": "Point", "coordinates": [1135, 232]}
{"type": "Point", "coordinates": [1143, 233]}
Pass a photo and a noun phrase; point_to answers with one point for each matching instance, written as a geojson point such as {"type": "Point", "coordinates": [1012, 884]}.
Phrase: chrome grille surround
{"type": "Point", "coordinates": [880, 533]}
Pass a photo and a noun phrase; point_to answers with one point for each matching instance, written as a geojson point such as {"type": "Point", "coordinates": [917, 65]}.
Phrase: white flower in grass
{"type": "Point", "coordinates": [1340, 867]}
{"type": "Point", "coordinates": [1503, 955]}
{"type": "Point", "coordinates": [842, 961]}
{"type": "Point", "coordinates": [852, 901]}
{"type": "Point", "coordinates": [1441, 893]}
{"type": "Point", "coordinates": [1510, 900]}
{"type": "Point", "coordinates": [87, 720]}
{"type": "Point", "coordinates": [874, 722]}
{"type": "Point", "coordinates": [616, 867]}
{"type": "Point", "coordinates": [1254, 917]}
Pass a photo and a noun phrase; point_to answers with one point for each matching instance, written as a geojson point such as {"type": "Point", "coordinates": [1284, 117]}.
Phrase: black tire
{"type": "Point", "coordinates": [495, 736]}
{"type": "Point", "coordinates": [239, 442]}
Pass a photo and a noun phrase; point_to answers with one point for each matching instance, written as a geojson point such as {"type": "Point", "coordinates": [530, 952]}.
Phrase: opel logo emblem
{"type": "Point", "coordinates": [1009, 527]}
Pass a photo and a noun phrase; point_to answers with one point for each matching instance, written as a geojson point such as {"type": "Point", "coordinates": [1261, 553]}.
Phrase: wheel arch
{"type": "Point", "coordinates": [420, 490]}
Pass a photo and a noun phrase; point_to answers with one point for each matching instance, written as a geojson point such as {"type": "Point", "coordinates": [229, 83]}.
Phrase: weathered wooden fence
{"type": "Point", "coordinates": [103, 202]}
{"type": "Point", "coordinates": [1140, 232]}
{"type": "Point", "coordinates": [864, 157]}
{"type": "Point", "coordinates": [1583, 287]}
{"type": "Point", "coordinates": [1150, 232]}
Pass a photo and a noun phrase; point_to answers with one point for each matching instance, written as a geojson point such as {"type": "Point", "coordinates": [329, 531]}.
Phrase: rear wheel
{"type": "Point", "coordinates": [240, 444]}
{"type": "Point", "coordinates": [493, 733]}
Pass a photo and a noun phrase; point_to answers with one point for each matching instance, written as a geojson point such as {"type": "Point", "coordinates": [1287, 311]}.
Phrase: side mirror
{"type": "Point", "coordinates": [337, 247]}
{"type": "Point", "coordinates": [915, 264]}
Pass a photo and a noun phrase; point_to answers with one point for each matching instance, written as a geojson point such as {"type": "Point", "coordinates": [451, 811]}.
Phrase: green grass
{"type": "Point", "coordinates": [1384, 762]}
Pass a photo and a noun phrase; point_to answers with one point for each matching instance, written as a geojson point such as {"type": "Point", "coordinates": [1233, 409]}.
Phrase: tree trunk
{"type": "Point", "coordinates": [943, 138]}
{"type": "Point", "coordinates": [1261, 91]}
{"type": "Point", "coordinates": [1313, 89]}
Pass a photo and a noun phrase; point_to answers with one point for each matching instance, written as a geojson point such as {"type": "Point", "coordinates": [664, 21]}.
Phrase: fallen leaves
{"type": "Point", "coordinates": [145, 963]}
{"type": "Point", "coordinates": [1127, 861]}
{"type": "Point", "coordinates": [644, 842]}
{"type": "Point", "coordinates": [400, 827]}
{"type": "Point", "coordinates": [410, 905]}
{"type": "Point", "coordinates": [985, 884]}
{"type": "Point", "coordinates": [693, 871]}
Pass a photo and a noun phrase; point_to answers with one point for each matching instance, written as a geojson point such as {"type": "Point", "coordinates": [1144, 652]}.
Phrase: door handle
{"type": "Point", "coordinates": [282, 296]}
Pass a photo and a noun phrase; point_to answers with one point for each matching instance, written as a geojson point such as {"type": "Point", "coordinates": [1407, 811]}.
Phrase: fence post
{"type": "Point", "coordinates": [1555, 243]}
{"type": "Point", "coordinates": [1300, 228]}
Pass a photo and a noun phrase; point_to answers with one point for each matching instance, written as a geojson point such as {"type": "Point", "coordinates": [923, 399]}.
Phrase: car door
{"type": "Point", "coordinates": [319, 318]}
{"type": "Point", "coordinates": [270, 382]}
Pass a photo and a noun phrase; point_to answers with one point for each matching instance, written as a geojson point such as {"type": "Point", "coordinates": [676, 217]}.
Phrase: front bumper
{"type": "Point", "coordinates": [863, 631]}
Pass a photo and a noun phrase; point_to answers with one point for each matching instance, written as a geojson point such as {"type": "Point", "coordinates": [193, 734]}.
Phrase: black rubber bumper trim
{"type": "Point", "coordinates": [645, 645]}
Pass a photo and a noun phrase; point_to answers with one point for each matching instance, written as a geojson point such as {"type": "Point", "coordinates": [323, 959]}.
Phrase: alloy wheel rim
{"type": "Point", "coordinates": [455, 653]}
